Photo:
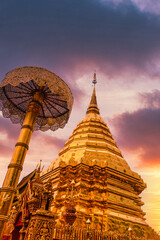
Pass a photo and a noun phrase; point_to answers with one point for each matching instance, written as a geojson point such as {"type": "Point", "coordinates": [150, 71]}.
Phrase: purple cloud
{"type": "Point", "coordinates": [150, 6]}
{"type": "Point", "coordinates": [60, 35]}
{"type": "Point", "coordinates": [139, 131]}
{"type": "Point", "coordinates": [150, 99]}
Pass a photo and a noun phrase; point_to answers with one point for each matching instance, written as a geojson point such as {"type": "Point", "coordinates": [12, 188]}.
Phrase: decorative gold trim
{"type": "Point", "coordinates": [15, 165]}
{"type": "Point", "coordinates": [22, 145]}
{"type": "Point", "coordinates": [27, 126]}
{"type": "Point", "coordinates": [3, 218]}
{"type": "Point", "coordinates": [8, 189]}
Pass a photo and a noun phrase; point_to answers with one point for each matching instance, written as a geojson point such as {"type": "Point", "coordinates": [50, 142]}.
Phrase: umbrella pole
{"type": "Point", "coordinates": [9, 187]}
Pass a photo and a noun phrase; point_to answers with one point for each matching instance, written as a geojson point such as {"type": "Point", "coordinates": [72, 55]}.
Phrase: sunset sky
{"type": "Point", "coordinates": [120, 39]}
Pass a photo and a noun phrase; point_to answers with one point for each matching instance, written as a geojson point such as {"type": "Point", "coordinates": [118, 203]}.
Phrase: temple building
{"type": "Point", "coordinates": [89, 183]}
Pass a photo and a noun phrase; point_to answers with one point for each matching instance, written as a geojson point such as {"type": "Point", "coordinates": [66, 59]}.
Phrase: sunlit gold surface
{"type": "Point", "coordinates": [14, 169]}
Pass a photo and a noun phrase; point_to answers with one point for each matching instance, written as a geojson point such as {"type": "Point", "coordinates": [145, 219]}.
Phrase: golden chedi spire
{"type": "Point", "coordinates": [92, 143]}
{"type": "Point", "coordinates": [93, 107]}
{"type": "Point", "coordinates": [91, 139]}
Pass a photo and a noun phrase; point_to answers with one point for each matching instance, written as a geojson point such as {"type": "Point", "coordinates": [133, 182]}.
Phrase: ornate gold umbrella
{"type": "Point", "coordinates": [39, 100]}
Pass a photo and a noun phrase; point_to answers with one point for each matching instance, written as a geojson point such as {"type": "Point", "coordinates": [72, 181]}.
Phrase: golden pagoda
{"type": "Point", "coordinates": [106, 190]}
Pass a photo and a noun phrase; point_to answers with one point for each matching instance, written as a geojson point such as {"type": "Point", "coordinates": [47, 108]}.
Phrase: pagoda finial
{"type": "Point", "coordinates": [94, 78]}
{"type": "Point", "coordinates": [93, 107]}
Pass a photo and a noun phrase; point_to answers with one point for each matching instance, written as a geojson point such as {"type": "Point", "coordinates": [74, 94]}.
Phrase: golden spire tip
{"type": "Point", "coordinates": [94, 78]}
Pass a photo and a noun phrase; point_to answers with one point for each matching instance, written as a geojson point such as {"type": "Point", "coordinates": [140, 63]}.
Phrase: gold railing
{"type": "Point", "coordinates": [72, 233]}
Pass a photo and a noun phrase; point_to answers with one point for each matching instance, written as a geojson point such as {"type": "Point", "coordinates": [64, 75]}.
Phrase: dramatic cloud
{"type": "Point", "coordinates": [62, 35]}
{"type": "Point", "coordinates": [150, 6]}
{"type": "Point", "coordinates": [140, 130]}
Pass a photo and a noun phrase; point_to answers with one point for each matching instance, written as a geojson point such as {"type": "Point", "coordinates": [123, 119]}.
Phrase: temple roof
{"type": "Point", "coordinates": [25, 179]}
{"type": "Point", "coordinates": [23, 183]}
{"type": "Point", "coordinates": [92, 143]}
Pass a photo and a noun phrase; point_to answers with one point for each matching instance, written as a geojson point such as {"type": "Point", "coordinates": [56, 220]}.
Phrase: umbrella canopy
{"type": "Point", "coordinates": [17, 91]}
